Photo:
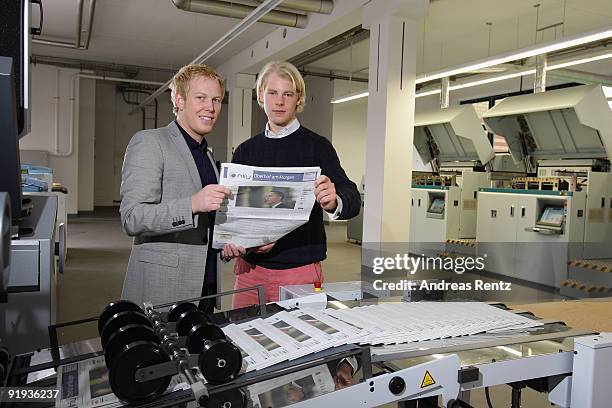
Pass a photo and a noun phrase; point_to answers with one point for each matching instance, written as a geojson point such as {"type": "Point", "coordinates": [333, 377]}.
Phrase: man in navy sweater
{"type": "Point", "coordinates": [295, 258]}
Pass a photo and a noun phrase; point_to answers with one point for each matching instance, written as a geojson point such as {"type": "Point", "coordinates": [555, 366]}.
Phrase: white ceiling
{"type": "Point", "coordinates": [155, 33]}
{"type": "Point", "coordinates": [142, 32]}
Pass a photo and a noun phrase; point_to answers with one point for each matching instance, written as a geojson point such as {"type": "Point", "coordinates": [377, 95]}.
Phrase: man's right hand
{"type": "Point", "coordinates": [264, 249]}
{"type": "Point", "coordinates": [209, 198]}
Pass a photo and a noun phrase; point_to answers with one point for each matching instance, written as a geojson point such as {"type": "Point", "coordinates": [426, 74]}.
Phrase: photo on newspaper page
{"type": "Point", "coordinates": [292, 388]}
{"type": "Point", "coordinates": [266, 203]}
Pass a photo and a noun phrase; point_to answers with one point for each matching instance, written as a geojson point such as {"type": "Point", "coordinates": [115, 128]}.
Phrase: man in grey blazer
{"type": "Point", "coordinates": [169, 193]}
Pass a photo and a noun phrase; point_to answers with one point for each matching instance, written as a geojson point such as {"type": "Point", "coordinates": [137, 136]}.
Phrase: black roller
{"type": "Point", "coordinates": [4, 363]}
{"type": "Point", "coordinates": [124, 336]}
{"type": "Point", "coordinates": [201, 333]}
{"type": "Point", "coordinates": [228, 399]}
{"type": "Point", "coordinates": [220, 361]}
{"type": "Point", "coordinates": [114, 308]}
{"type": "Point", "coordinates": [133, 357]}
{"type": "Point", "coordinates": [120, 320]}
{"type": "Point", "coordinates": [189, 319]}
{"type": "Point", "coordinates": [178, 309]}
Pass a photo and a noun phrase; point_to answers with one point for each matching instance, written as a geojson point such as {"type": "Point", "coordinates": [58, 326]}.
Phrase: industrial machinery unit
{"type": "Point", "coordinates": [531, 230]}
{"type": "Point", "coordinates": [569, 364]}
{"type": "Point", "coordinates": [443, 204]}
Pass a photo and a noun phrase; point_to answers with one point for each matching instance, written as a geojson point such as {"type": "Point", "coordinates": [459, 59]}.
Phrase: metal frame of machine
{"type": "Point", "coordinates": [571, 365]}
{"type": "Point", "coordinates": [453, 141]}
{"type": "Point", "coordinates": [565, 136]}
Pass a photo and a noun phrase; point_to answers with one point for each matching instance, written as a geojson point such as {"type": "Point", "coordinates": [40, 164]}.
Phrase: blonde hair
{"type": "Point", "coordinates": [180, 81]}
{"type": "Point", "coordinates": [286, 70]}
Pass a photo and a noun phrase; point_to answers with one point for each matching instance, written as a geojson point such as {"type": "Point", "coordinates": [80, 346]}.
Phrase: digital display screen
{"type": "Point", "coordinates": [437, 206]}
{"type": "Point", "coordinates": [552, 216]}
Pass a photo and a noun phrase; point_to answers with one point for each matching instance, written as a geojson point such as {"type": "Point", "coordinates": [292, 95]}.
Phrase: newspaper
{"type": "Point", "coordinates": [292, 388]}
{"type": "Point", "coordinates": [85, 384]}
{"type": "Point", "coordinates": [42, 357]}
{"type": "Point", "coordinates": [266, 203]}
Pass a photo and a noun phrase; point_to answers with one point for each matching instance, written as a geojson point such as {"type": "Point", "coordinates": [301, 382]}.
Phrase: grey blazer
{"type": "Point", "coordinates": [168, 256]}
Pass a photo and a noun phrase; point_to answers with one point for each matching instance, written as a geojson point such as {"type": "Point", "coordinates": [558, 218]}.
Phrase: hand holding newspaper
{"type": "Point", "coordinates": [266, 203]}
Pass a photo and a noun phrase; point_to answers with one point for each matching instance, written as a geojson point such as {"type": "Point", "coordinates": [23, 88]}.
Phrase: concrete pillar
{"type": "Point", "coordinates": [240, 87]}
{"type": "Point", "coordinates": [390, 129]}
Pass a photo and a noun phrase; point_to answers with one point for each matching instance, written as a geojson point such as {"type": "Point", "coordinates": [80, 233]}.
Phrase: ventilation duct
{"type": "Point", "coordinates": [77, 42]}
{"type": "Point", "coordinates": [308, 6]}
{"type": "Point", "coordinates": [234, 10]}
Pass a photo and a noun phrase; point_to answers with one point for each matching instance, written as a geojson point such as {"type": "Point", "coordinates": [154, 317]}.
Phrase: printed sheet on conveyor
{"type": "Point", "coordinates": [289, 335]}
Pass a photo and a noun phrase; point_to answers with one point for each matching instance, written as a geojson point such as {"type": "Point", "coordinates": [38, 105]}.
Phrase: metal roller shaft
{"type": "Point", "coordinates": [199, 389]}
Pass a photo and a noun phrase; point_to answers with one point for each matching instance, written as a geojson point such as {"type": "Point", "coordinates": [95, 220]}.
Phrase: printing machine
{"type": "Point", "coordinates": [571, 365]}
{"type": "Point", "coordinates": [443, 204]}
{"type": "Point", "coordinates": [564, 211]}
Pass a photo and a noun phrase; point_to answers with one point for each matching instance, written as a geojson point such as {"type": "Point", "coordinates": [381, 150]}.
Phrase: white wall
{"type": "Point", "coordinates": [258, 119]}
{"type": "Point", "coordinates": [87, 127]}
{"type": "Point", "coordinates": [104, 144]}
{"type": "Point", "coordinates": [53, 121]}
{"type": "Point", "coordinates": [217, 139]}
{"type": "Point", "coordinates": [114, 129]}
{"type": "Point", "coordinates": [318, 114]}
{"type": "Point", "coordinates": [349, 129]}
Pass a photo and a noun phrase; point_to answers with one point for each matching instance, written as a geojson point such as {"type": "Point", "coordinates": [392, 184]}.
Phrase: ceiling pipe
{"type": "Point", "coordinates": [53, 43]}
{"type": "Point", "coordinates": [308, 6]}
{"type": "Point", "coordinates": [98, 66]}
{"type": "Point", "coordinates": [92, 9]}
{"type": "Point", "coordinates": [77, 43]}
{"type": "Point", "coordinates": [238, 29]}
{"type": "Point", "coordinates": [235, 10]}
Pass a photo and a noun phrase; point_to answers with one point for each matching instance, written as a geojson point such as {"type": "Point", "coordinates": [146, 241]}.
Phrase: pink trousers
{"type": "Point", "coordinates": [250, 275]}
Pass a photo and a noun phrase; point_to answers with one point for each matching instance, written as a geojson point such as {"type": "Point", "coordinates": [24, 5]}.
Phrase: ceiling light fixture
{"type": "Point", "coordinates": [350, 97]}
{"type": "Point", "coordinates": [528, 52]}
{"type": "Point", "coordinates": [532, 51]}
{"type": "Point", "coordinates": [550, 67]}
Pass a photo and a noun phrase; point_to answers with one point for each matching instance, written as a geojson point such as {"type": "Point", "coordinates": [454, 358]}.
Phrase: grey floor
{"type": "Point", "coordinates": [97, 258]}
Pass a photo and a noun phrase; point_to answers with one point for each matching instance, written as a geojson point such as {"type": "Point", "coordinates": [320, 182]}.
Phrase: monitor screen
{"type": "Point", "coordinates": [10, 168]}
{"type": "Point", "coordinates": [14, 43]}
{"type": "Point", "coordinates": [437, 206]}
{"type": "Point", "coordinates": [552, 216]}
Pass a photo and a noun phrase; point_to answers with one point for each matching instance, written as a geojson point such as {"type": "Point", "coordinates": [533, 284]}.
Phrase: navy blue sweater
{"type": "Point", "coordinates": [306, 244]}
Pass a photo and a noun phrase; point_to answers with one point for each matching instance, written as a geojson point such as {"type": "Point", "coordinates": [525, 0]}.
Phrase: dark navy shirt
{"type": "Point", "coordinates": [207, 176]}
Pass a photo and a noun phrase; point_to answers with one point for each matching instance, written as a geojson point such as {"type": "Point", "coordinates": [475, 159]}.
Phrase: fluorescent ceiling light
{"type": "Point", "coordinates": [550, 67]}
{"type": "Point", "coordinates": [427, 93]}
{"type": "Point", "coordinates": [532, 51]}
{"type": "Point", "coordinates": [350, 97]}
{"type": "Point", "coordinates": [579, 61]}
{"type": "Point", "coordinates": [607, 90]}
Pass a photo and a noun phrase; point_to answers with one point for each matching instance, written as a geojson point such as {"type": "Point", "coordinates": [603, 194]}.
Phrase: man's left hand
{"type": "Point", "coordinates": [344, 376]}
{"type": "Point", "coordinates": [325, 193]}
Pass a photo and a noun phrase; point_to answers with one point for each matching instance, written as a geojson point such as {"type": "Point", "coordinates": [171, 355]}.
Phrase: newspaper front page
{"type": "Point", "coordinates": [266, 203]}
{"type": "Point", "coordinates": [85, 384]}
